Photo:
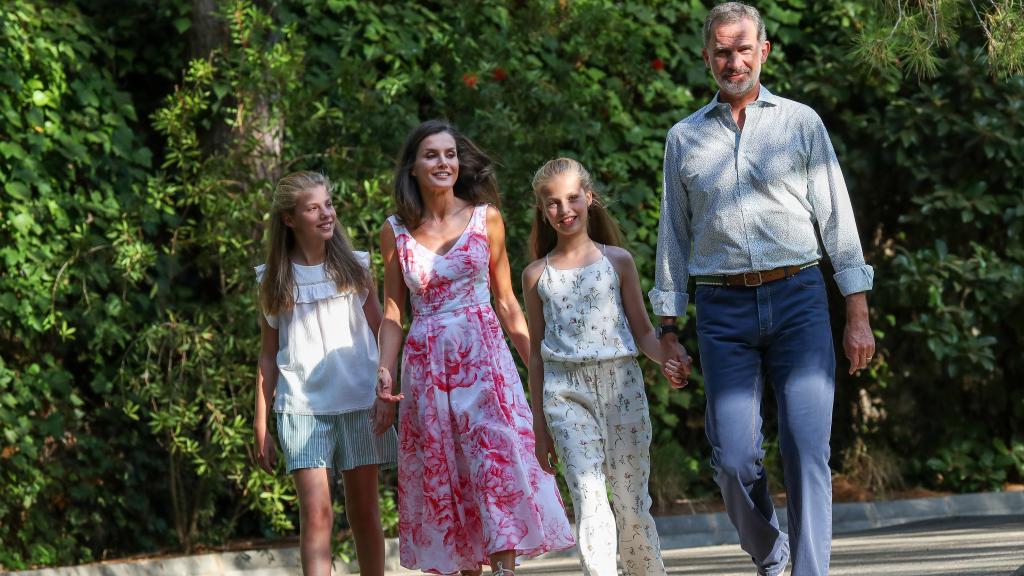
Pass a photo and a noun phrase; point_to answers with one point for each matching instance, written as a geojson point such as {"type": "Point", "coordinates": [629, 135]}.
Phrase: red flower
{"type": "Point", "coordinates": [658, 64]}
{"type": "Point", "coordinates": [499, 74]}
{"type": "Point", "coordinates": [469, 79]}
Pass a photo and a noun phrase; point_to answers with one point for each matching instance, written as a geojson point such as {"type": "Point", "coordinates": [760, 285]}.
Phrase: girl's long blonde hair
{"type": "Point", "coordinates": [601, 227]}
{"type": "Point", "coordinates": [277, 291]}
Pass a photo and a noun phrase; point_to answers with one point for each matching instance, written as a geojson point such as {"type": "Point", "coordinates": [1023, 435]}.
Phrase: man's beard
{"type": "Point", "coordinates": [741, 87]}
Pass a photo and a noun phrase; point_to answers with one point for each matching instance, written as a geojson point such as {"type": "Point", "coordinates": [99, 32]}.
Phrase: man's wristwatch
{"type": "Point", "coordinates": [663, 329]}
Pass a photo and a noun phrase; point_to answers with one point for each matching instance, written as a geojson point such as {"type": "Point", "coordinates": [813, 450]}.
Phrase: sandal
{"type": "Point", "coordinates": [502, 571]}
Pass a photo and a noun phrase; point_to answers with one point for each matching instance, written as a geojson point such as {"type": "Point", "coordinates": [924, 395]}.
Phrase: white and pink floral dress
{"type": "Point", "coordinates": [469, 484]}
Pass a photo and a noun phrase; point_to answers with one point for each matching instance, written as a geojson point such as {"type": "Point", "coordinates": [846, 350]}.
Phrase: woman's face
{"type": "Point", "coordinates": [313, 217]}
{"type": "Point", "coordinates": [437, 163]}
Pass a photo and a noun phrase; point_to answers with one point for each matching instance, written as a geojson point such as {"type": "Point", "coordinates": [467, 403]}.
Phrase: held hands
{"type": "Point", "coordinates": [385, 385]}
{"type": "Point", "coordinates": [677, 363]}
{"type": "Point", "coordinates": [678, 374]}
{"type": "Point", "coordinates": [382, 412]}
{"type": "Point", "coordinates": [382, 415]}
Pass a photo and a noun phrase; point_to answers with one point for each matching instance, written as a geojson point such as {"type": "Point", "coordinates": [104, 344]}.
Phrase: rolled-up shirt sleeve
{"type": "Point", "coordinates": [672, 260]}
{"type": "Point", "coordinates": [830, 201]}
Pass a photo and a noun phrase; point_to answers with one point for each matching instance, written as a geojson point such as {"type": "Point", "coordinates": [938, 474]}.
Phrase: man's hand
{"type": "Point", "coordinates": [858, 341]}
{"type": "Point", "coordinates": [677, 363]}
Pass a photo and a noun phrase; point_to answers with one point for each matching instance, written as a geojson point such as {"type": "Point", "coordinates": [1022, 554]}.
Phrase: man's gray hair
{"type": "Point", "coordinates": [730, 13]}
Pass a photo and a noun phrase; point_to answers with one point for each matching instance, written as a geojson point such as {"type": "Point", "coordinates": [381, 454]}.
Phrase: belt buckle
{"type": "Point", "coordinates": [748, 284]}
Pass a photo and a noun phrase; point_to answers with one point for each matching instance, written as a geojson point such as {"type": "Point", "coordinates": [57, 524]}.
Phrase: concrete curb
{"type": "Point", "coordinates": [715, 529]}
{"type": "Point", "coordinates": [676, 532]}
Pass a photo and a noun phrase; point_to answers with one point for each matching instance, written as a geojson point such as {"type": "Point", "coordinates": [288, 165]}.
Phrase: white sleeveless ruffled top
{"type": "Point", "coordinates": [327, 355]}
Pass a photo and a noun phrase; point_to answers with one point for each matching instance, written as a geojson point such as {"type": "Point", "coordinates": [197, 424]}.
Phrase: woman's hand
{"type": "Point", "coordinates": [385, 385]}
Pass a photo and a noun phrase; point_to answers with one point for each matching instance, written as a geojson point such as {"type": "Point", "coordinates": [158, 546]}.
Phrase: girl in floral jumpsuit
{"type": "Point", "coordinates": [586, 316]}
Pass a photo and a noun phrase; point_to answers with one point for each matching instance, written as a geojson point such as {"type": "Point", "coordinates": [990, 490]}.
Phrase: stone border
{"type": "Point", "coordinates": [714, 529]}
{"type": "Point", "coordinates": [676, 532]}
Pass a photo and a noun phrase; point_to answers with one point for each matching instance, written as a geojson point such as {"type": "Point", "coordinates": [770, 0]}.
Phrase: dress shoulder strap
{"type": "Point", "coordinates": [546, 272]}
{"type": "Point", "coordinates": [396, 226]}
{"type": "Point", "coordinates": [480, 217]}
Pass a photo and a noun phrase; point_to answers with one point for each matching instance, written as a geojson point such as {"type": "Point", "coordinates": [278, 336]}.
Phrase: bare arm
{"type": "Point", "coordinates": [506, 305]}
{"type": "Point", "coordinates": [633, 304]}
{"type": "Point", "coordinates": [535, 317]}
{"type": "Point", "coordinates": [389, 338]}
{"type": "Point", "coordinates": [545, 448]}
{"type": "Point", "coordinates": [266, 384]}
{"type": "Point", "coordinates": [640, 323]}
{"type": "Point", "coordinates": [371, 309]}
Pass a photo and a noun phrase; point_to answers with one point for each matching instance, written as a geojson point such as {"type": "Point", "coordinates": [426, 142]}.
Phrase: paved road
{"type": "Point", "coordinates": [973, 546]}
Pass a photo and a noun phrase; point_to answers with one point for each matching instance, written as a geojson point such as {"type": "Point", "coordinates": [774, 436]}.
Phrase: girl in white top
{"type": "Point", "coordinates": [317, 367]}
{"type": "Point", "coordinates": [586, 316]}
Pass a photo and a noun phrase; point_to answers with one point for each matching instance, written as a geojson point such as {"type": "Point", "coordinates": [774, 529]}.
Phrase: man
{"type": "Point", "coordinates": [747, 179]}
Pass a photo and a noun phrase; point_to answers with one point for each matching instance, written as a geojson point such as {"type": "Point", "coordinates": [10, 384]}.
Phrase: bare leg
{"type": "Point", "coordinates": [316, 519]}
{"type": "Point", "coordinates": [363, 512]}
{"type": "Point", "coordinates": [503, 563]}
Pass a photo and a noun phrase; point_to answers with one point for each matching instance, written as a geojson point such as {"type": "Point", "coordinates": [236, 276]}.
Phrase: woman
{"type": "Point", "coordinates": [471, 491]}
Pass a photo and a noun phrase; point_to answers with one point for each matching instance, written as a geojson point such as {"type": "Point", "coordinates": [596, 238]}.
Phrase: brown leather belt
{"type": "Point", "coordinates": [752, 279]}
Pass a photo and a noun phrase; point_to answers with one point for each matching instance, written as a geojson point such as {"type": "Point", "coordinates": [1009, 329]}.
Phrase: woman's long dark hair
{"type": "Point", "coordinates": [601, 227]}
{"type": "Point", "coordinates": [476, 183]}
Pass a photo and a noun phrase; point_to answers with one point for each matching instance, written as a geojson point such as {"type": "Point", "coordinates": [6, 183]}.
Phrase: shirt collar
{"type": "Point", "coordinates": [764, 98]}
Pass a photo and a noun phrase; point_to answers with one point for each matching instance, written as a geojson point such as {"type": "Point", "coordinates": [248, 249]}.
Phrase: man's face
{"type": "Point", "coordinates": [735, 56]}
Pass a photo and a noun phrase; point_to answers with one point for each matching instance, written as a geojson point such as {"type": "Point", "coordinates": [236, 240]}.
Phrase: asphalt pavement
{"type": "Point", "coordinates": [967, 534]}
{"type": "Point", "coordinates": [968, 546]}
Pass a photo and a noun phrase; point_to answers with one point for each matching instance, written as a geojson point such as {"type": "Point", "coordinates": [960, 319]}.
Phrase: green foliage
{"type": "Point", "coordinates": [675, 475]}
{"type": "Point", "coordinates": [909, 36]}
{"type": "Point", "coordinates": [189, 373]}
{"type": "Point", "coordinates": [1002, 27]}
{"type": "Point", "coordinates": [975, 462]}
{"type": "Point", "coordinates": [934, 169]}
{"type": "Point", "coordinates": [954, 298]}
{"type": "Point", "coordinates": [74, 469]}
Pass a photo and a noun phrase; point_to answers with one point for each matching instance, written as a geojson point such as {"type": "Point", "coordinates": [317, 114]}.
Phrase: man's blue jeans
{"type": "Point", "coordinates": [778, 332]}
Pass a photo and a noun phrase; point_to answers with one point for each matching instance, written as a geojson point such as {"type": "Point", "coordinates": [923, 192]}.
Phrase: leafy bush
{"type": "Point", "coordinates": [75, 472]}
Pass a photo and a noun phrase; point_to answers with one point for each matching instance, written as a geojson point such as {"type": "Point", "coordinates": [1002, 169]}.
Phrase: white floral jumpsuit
{"type": "Point", "coordinates": [597, 412]}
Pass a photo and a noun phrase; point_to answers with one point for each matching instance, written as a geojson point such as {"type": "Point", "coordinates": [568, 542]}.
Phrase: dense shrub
{"type": "Point", "coordinates": [76, 472]}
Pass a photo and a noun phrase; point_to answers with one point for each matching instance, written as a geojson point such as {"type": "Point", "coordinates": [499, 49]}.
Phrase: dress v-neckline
{"type": "Point", "coordinates": [458, 240]}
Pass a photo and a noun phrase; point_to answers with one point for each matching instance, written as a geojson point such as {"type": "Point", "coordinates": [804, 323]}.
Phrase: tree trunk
{"type": "Point", "coordinates": [208, 33]}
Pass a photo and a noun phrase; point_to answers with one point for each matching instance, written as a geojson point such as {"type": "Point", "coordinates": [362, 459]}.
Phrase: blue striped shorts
{"type": "Point", "coordinates": [338, 441]}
